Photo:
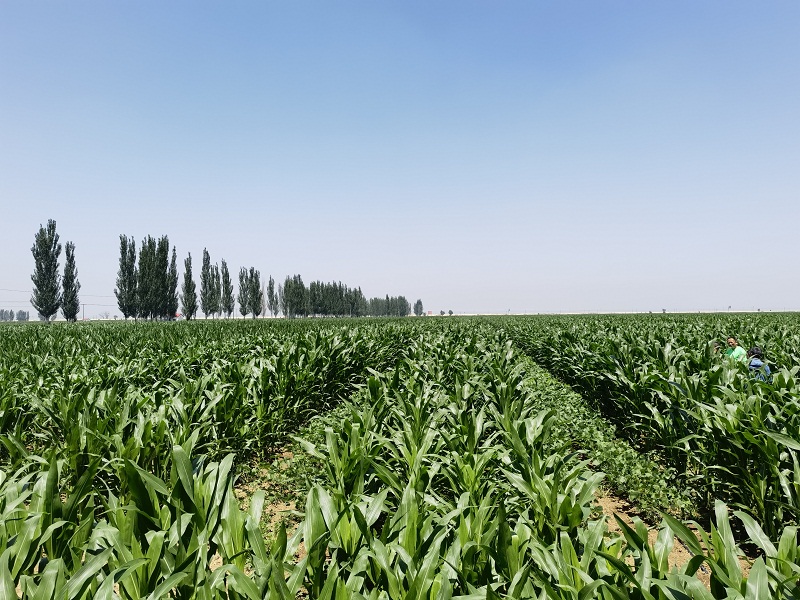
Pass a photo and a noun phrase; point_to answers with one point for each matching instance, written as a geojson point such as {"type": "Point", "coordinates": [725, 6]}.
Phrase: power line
{"type": "Point", "coordinates": [16, 303]}
{"type": "Point", "coordinates": [82, 295]}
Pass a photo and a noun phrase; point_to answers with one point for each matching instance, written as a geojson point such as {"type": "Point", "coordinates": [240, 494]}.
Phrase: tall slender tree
{"type": "Point", "coordinates": [272, 298]}
{"type": "Point", "coordinates": [46, 298]}
{"type": "Point", "coordinates": [216, 289]}
{"type": "Point", "coordinates": [152, 281]}
{"type": "Point", "coordinates": [189, 291]}
{"type": "Point", "coordinates": [127, 278]}
{"type": "Point", "coordinates": [146, 300]}
{"type": "Point", "coordinates": [70, 304]}
{"type": "Point", "coordinates": [280, 299]}
{"type": "Point", "coordinates": [206, 285]}
{"type": "Point", "coordinates": [418, 308]}
{"type": "Point", "coordinates": [227, 300]}
{"type": "Point", "coordinates": [172, 292]}
{"type": "Point", "coordinates": [296, 297]}
{"type": "Point", "coordinates": [244, 292]}
{"type": "Point", "coordinates": [161, 281]}
{"type": "Point", "coordinates": [256, 296]}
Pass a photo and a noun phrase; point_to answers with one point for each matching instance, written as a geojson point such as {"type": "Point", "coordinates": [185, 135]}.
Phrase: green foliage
{"type": "Point", "coordinates": [390, 306]}
{"type": "Point", "coordinates": [296, 301]}
{"type": "Point", "coordinates": [46, 298]}
{"type": "Point", "coordinates": [172, 288]}
{"type": "Point", "coordinates": [70, 304]}
{"type": "Point", "coordinates": [272, 297]}
{"type": "Point", "coordinates": [188, 291]}
{"type": "Point", "coordinates": [721, 431]}
{"type": "Point", "coordinates": [226, 290]}
{"type": "Point", "coordinates": [127, 278]}
{"type": "Point", "coordinates": [251, 296]}
{"type": "Point", "coordinates": [447, 471]}
{"type": "Point", "coordinates": [255, 294]}
{"type": "Point", "coordinates": [154, 280]}
{"type": "Point", "coordinates": [642, 480]}
{"type": "Point", "coordinates": [208, 299]}
{"type": "Point", "coordinates": [244, 292]}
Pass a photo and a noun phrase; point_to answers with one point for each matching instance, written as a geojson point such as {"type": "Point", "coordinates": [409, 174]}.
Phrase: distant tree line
{"type": "Point", "coordinates": [331, 299]}
{"type": "Point", "coordinates": [148, 290]}
{"type": "Point", "coordinates": [147, 287]}
{"type": "Point", "coordinates": [8, 315]}
{"type": "Point", "coordinates": [319, 299]}
{"type": "Point", "coordinates": [391, 306]}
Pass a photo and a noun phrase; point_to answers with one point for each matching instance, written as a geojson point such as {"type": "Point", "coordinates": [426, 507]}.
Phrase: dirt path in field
{"type": "Point", "coordinates": [680, 554]}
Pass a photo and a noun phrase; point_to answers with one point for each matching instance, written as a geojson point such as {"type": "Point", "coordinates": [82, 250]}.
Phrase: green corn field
{"type": "Point", "coordinates": [448, 458]}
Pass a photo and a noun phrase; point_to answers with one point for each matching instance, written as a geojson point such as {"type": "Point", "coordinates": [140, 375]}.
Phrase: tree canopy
{"type": "Point", "coordinates": [46, 249]}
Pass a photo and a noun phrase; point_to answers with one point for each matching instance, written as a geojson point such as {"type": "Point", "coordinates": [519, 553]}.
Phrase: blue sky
{"type": "Point", "coordinates": [484, 157]}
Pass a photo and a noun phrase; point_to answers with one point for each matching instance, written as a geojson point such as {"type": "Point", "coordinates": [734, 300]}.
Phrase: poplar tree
{"type": "Point", "coordinates": [227, 300]}
{"type": "Point", "coordinates": [280, 299]}
{"type": "Point", "coordinates": [216, 289]}
{"type": "Point", "coordinates": [172, 291]}
{"type": "Point", "coordinates": [256, 296]}
{"type": "Point", "coordinates": [189, 291]}
{"type": "Point", "coordinates": [70, 304]}
{"type": "Point", "coordinates": [46, 297]}
{"type": "Point", "coordinates": [272, 298]}
{"type": "Point", "coordinates": [161, 283]}
{"type": "Point", "coordinates": [126, 278]}
{"type": "Point", "coordinates": [362, 303]}
{"type": "Point", "coordinates": [153, 279]}
{"type": "Point", "coordinates": [296, 297]}
{"type": "Point", "coordinates": [289, 309]}
{"type": "Point", "coordinates": [206, 285]}
{"type": "Point", "coordinates": [244, 292]}
{"type": "Point", "coordinates": [418, 310]}
{"type": "Point", "coordinates": [146, 300]}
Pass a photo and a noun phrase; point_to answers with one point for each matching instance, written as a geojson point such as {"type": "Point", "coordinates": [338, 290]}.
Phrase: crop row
{"type": "Point", "coordinates": [131, 393]}
{"type": "Point", "coordinates": [446, 482]}
{"type": "Point", "coordinates": [443, 478]}
{"type": "Point", "coordinates": [726, 434]}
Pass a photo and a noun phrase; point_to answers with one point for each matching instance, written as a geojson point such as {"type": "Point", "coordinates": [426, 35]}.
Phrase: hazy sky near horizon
{"type": "Point", "coordinates": [502, 156]}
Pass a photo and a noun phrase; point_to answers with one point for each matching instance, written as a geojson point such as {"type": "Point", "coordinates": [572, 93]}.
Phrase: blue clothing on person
{"type": "Point", "coordinates": [760, 369]}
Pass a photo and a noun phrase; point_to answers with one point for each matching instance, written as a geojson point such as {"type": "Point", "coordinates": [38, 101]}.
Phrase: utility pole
{"type": "Point", "coordinates": [84, 312]}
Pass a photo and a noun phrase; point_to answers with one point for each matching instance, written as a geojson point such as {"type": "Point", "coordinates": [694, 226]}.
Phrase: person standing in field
{"type": "Point", "coordinates": [735, 351]}
{"type": "Point", "coordinates": [756, 364]}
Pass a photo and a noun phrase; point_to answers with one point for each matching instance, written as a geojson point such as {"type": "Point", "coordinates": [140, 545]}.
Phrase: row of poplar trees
{"type": "Point", "coordinates": [147, 288]}
{"type": "Point", "coordinates": [335, 300]}
{"type": "Point", "coordinates": [8, 315]}
{"type": "Point", "coordinates": [147, 284]}
{"type": "Point", "coordinates": [51, 292]}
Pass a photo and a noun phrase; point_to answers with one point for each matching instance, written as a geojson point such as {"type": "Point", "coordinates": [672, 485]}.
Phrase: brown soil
{"type": "Point", "coordinates": [680, 555]}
